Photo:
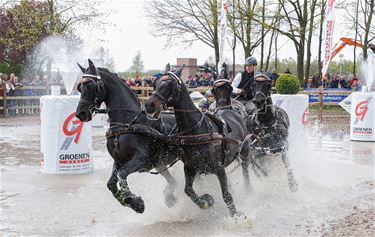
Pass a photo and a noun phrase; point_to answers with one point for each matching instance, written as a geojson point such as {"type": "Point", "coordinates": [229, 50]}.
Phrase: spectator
{"type": "Point", "coordinates": [149, 81]}
{"type": "Point", "coordinates": [315, 80]}
{"type": "Point", "coordinates": [131, 82]}
{"type": "Point", "coordinates": [334, 83]}
{"type": "Point", "coordinates": [207, 79]}
{"type": "Point", "coordinates": [342, 82]}
{"type": "Point", "coordinates": [192, 82]}
{"type": "Point", "coordinates": [309, 83]}
{"type": "Point", "coordinates": [273, 76]}
{"type": "Point", "coordinates": [205, 103]}
{"type": "Point", "coordinates": [138, 81]}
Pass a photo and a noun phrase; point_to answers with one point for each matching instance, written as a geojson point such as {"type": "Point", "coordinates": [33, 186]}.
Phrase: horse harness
{"type": "Point", "coordinates": [173, 138]}
{"type": "Point", "coordinates": [261, 132]}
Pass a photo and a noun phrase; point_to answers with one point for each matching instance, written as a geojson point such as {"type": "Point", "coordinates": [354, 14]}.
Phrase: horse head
{"type": "Point", "coordinates": [92, 91]}
{"type": "Point", "coordinates": [261, 89]}
{"type": "Point", "coordinates": [166, 91]}
{"type": "Point", "coordinates": [222, 89]}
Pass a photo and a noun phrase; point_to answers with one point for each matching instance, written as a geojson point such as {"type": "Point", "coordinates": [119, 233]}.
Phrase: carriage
{"type": "Point", "coordinates": [204, 142]}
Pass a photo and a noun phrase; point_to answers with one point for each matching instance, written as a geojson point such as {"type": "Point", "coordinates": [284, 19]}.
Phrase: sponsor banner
{"type": "Point", "coordinates": [65, 141]}
{"type": "Point", "coordinates": [362, 119]}
{"type": "Point", "coordinates": [223, 32]}
{"type": "Point", "coordinates": [296, 106]}
{"type": "Point", "coordinates": [328, 34]}
{"type": "Point", "coordinates": [327, 97]}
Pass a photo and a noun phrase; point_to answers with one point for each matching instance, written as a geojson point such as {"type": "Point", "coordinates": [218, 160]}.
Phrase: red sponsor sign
{"type": "Point", "coordinates": [361, 109]}
{"type": "Point", "coordinates": [76, 130]}
{"type": "Point", "coordinates": [305, 114]}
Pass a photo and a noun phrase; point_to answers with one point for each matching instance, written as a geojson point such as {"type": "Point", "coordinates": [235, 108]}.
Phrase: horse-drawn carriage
{"type": "Point", "coordinates": [204, 142]}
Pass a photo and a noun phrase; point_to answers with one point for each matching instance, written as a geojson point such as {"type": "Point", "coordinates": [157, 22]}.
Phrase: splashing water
{"type": "Point", "coordinates": [368, 70]}
{"type": "Point", "coordinates": [63, 54]}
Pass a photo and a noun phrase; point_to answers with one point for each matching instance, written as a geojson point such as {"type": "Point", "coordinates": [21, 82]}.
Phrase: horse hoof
{"type": "Point", "coordinates": [137, 205]}
{"type": "Point", "coordinates": [170, 200]}
{"type": "Point", "coordinates": [208, 199]}
{"type": "Point", "coordinates": [293, 186]}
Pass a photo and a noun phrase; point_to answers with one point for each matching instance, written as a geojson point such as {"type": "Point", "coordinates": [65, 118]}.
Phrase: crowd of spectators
{"type": "Point", "coordinates": [202, 79]}
{"type": "Point", "coordinates": [335, 81]}
{"type": "Point", "coordinates": [14, 88]}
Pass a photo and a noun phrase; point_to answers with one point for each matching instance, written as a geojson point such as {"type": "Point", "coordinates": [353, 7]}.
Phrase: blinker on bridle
{"type": "Point", "coordinates": [175, 93]}
{"type": "Point", "coordinates": [85, 78]}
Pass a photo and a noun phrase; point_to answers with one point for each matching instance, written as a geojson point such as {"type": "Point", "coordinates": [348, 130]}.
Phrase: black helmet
{"type": "Point", "coordinates": [250, 61]}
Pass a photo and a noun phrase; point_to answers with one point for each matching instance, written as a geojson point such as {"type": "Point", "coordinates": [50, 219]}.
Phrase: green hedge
{"type": "Point", "coordinates": [287, 84]}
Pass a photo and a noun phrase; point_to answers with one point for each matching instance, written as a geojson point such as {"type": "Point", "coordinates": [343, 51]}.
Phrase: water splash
{"type": "Point", "coordinates": [368, 70]}
{"type": "Point", "coordinates": [62, 54]}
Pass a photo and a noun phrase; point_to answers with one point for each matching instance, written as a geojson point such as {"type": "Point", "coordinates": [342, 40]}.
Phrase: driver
{"type": "Point", "coordinates": [242, 84]}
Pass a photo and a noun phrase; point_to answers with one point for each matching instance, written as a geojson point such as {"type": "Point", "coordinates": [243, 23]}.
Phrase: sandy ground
{"type": "Point", "coordinates": [336, 195]}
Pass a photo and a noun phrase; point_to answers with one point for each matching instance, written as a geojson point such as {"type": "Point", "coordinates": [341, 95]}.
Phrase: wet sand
{"type": "Point", "coordinates": [336, 195]}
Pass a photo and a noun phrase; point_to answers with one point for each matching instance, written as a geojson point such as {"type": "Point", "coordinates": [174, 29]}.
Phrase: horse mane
{"type": "Point", "coordinates": [115, 76]}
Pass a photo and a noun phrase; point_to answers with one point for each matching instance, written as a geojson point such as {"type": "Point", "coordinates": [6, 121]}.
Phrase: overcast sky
{"type": "Point", "coordinates": [131, 33]}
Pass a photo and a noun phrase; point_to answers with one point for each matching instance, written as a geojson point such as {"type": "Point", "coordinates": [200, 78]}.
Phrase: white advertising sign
{"type": "Point", "coordinates": [362, 117]}
{"type": "Point", "coordinates": [346, 103]}
{"type": "Point", "coordinates": [297, 108]}
{"type": "Point", "coordinates": [66, 142]}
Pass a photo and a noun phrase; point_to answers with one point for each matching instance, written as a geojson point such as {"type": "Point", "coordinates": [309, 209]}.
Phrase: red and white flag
{"type": "Point", "coordinates": [223, 31]}
{"type": "Point", "coordinates": [328, 34]}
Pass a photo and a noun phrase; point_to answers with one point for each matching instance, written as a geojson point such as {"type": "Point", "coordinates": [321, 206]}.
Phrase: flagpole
{"type": "Point", "coordinates": [223, 33]}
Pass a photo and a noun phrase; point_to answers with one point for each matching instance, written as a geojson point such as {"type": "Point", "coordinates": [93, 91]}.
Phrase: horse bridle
{"type": "Point", "coordinates": [173, 98]}
{"type": "Point", "coordinates": [266, 96]}
{"type": "Point", "coordinates": [86, 78]}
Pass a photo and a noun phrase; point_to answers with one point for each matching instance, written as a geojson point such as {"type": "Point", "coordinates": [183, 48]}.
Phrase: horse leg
{"type": "Point", "coordinates": [111, 184]}
{"type": "Point", "coordinates": [228, 199]}
{"type": "Point", "coordinates": [206, 200]}
{"type": "Point", "coordinates": [245, 157]}
{"type": "Point", "coordinates": [170, 198]}
{"type": "Point", "coordinates": [245, 173]}
{"type": "Point", "coordinates": [123, 194]}
{"type": "Point", "coordinates": [293, 186]}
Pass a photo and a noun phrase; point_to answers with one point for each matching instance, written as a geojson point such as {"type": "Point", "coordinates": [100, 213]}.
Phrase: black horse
{"type": "Point", "coordinates": [208, 144]}
{"type": "Point", "coordinates": [134, 141]}
{"type": "Point", "coordinates": [227, 107]}
{"type": "Point", "coordinates": [269, 125]}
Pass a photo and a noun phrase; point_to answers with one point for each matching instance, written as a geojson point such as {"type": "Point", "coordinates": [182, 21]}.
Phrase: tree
{"type": "Point", "coordinates": [311, 28]}
{"type": "Point", "coordinates": [136, 68]}
{"type": "Point", "coordinates": [244, 26]}
{"type": "Point", "coordinates": [21, 28]}
{"type": "Point", "coordinates": [186, 21]}
{"type": "Point", "coordinates": [321, 22]}
{"type": "Point", "coordinates": [23, 24]}
{"type": "Point", "coordinates": [294, 25]}
{"type": "Point", "coordinates": [360, 18]}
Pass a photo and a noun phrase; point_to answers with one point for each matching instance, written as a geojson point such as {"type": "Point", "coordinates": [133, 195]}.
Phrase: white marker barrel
{"type": "Point", "coordinates": [65, 142]}
{"type": "Point", "coordinates": [362, 116]}
{"type": "Point", "coordinates": [297, 107]}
